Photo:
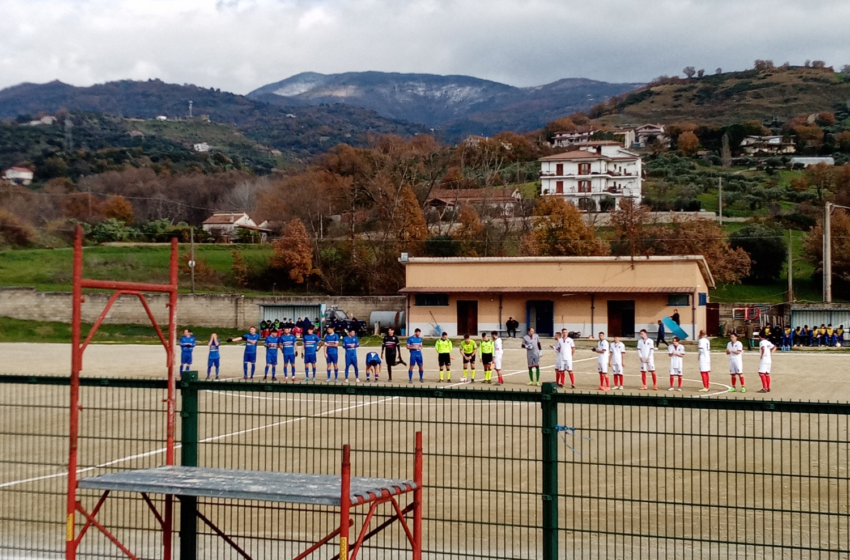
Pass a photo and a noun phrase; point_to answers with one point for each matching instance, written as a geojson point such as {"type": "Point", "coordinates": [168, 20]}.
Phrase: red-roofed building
{"type": "Point", "coordinates": [226, 225]}
{"type": "Point", "coordinates": [18, 176]}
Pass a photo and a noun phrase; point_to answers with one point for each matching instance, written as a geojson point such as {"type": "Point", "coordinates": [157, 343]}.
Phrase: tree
{"type": "Point", "coordinates": [293, 252]}
{"type": "Point", "coordinates": [767, 250]}
{"type": "Point", "coordinates": [239, 269]}
{"type": "Point", "coordinates": [411, 225]}
{"type": "Point", "coordinates": [633, 229]}
{"type": "Point", "coordinates": [808, 135]}
{"type": "Point", "coordinates": [843, 141]}
{"type": "Point", "coordinates": [689, 71]}
{"type": "Point", "coordinates": [111, 230]}
{"type": "Point", "coordinates": [845, 69]}
{"type": "Point", "coordinates": [14, 231]}
{"type": "Point", "coordinates": [688, 143]}
{"type": "Point", "coordinates": [718, 71]}
{"type": "Point", "coordinates": [820, 177]}
{"type": "Point", "coordinates": [698, 236]}
{"type": "Point", "coordinates": [764, 64]}
{"type": "Point", "coordinates": [118, 208]}
{"type": "Point", "coordinates": [700, 73]}
{"type": "Point", "coordinates": [825, 118]}
{"type": "Point", "coordinates": [818, 64]}
{"type": "Point", "coordinates": [469, 232]}
{"type": "Point", "coordinates": [726, 152]}
{"type": "Point", "coordinates": [840, 250]}
{"type": "Point", "coordinates": [559, 230]}
{"type": "Point", "coordinates": [83, 207]}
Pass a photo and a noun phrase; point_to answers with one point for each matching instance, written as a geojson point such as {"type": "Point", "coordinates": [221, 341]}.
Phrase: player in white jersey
{"type": "Point", "coordinates": [602, 351]}
{"type": "Point", "coordinates": [568, 348]}
{"type": "Point", "coordinates": [766, 350]}
{"type": "Point", "coordinates": [735, 351]}
{"type": "Point", "coordinates": [704, 349]}
{"type": "Point", "coordinates": [498, 352]}
{"type": "Point", "coordinates": [646, 353]}
{"type": "Point", "coordinates": [676, 352]}
{"type": "Point", "coordinates": [559, 361]}
{"type": "Point", "coordinates": [617, 351]}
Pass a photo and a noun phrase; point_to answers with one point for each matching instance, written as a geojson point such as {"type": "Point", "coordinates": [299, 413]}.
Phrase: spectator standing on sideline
{"type": "Point", "coordinates": [511, 326]}
{"type": "Point", "coordinates": [660, 339]}
{"type": "Point", "coordinates": [675, 316]}
{"type": "Point", "coordinates": [749, 331]}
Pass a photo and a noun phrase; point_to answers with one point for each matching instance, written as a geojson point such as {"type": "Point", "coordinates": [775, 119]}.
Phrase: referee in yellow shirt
{"type": "Point", "coordinates": [444, 356]}
{"type": "Point", "coordinates": [488, 347]}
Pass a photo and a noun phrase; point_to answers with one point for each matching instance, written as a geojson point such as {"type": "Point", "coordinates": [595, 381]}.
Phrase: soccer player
{"type": "Point", "coordinates": [766, 350]}
{"type": "Point", "coordinates": [187, 345]}
{"type": "Point", "coordinates": [736, 361]}
{"type": "Point", "coordinates": [704, 351]}
{"type": "Point", "coordinates": [617, 351]}
{"type": "Point", "coordinates": [331, 344]}
{"type": "Point", "coordinates": [568, 349]}
{"type": "Point", "coordinates": [444, 356]}
{"type": "Point", "coordinates": [310, 344]}
{"type": "Point", "coordinates": [646, 353]}
{"type": "Point", "coordinates": [467, 349]}
{"type": "Point", "coordinates": [498, 352]}
{"type": "Point", "coordinates": [602, 350]}
{"type": "Point", "coordinates": [373, 365]}
{"type": "Point", "coordinates": [559, 361]}
{"type": "Point", "coordinates": [272, 343]}
{"type": "Point", "coordinates": [414, 346]}
{"type": "Point", "coordinates": [488, 348]}
{"type": "Point", "coordinates": [531, 343]}
{"type": "Point", "coordinates": [214, 359]}
{"type": "Point", "coordinates": [390, 345]}
{"type": "Point", "coordinates": [676, 352]}
{"type": "Point", "coordinates": [351, 343]}
{"type": "Point", "coordinates": [288, 340]}
{"type": "Point", "coordinates": [251, 339]}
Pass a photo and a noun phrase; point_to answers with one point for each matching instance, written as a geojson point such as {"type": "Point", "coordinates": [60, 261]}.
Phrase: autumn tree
{"type": "Point", "coordinates": [763, 65]}
{"type": "Point", "coordinates": [725, 152]}
{"type": "Point", "coordinates": [239, 269]}
{"type": "Point", "coordinates": [698, 236]}
{"type": "Point", "coordinates": [83, 207]}
{"type": "Point", "coordinates": [820, 176]}
{"type": "Point", "coordinates": [633, 229]}
{"type": "Point", "coordinates": [825, 118]}
{"type": "Point", "coordinates": [409, 221]}
{"type": "Point", "coordinates": [689, 71]}
{"type": "Point", "coordinates": [559, 230]}
{"type": "Point", "coordinates": [14, 231]}
{"type": "Point", "coordinates": [842, 139]}
{"type": "Point", "coordinates": [469, 232]}
{"type": "Point", "coordinates": [293, 252]}
{"type": "Point", "coordinates": [688, 143]}
{"type": "Point", "coordinates": [119, 208]}
{"type": "Point", "coordinates": [840, 250]}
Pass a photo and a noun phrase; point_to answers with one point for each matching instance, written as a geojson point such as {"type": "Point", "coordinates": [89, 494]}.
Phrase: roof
{"type": "Point", "coordinates": [472, 195]}
{"type": "Point", "coordinates": [20, 169]}
{"type": "Point", "coordinates": [603, 143]}
{"type": "Point", "coordinates": [698, 259]}
{"type": "Point", "coordinates": [225, 218]}
{"type": "Point", "coordinates": [565, 290]}
{"type": "Point", "coordinates": [575, 154]}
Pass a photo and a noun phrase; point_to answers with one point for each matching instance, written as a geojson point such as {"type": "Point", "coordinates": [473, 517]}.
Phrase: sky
{"type": "Point", "coordinates": [240, 45]}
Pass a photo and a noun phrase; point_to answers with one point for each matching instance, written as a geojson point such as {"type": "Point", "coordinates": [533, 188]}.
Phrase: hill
{"type": "Point", "coordinates": [458, 105]}
{"type": "Point", "coordinates": [731, 97]}
{"type": "Point", "coordinates": [302, 130]}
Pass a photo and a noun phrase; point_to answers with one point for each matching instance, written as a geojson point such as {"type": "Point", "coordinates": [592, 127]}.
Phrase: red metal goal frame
{"type": "Point", "coordinates": [72, 540]}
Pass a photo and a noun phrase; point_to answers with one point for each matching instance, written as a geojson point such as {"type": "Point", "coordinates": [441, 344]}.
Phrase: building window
{"type": "Point", "coordinates": [559, 187]}
{"type": "Point", "coordinates": [559, 170]}
{"type": "Point", "coordinates": [432, 300]}
{"type": "Point", "coordinates": [584, 169]}
{"type": "Point", "coordinates": [584, 186]}
{"type": "Point", "coordinates": [677, 300]}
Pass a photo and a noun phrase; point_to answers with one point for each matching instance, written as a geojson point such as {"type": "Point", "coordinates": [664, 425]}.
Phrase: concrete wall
{"type": "Point", "coordinates": [203, 310]}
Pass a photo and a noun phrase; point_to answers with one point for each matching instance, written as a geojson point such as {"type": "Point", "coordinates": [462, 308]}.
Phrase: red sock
{"type": "Point", "coordinates": [607, 382]}
{"type": "Point", "coordinates": [742, 380]}
{"type": "Point", "coordinates": [680, 382]}
{"type": "Point", "coordinates": [572, 378]}
{"type": "Point", "coordinates": [671, 381]}
{"type": "Point", "coordinates": [733, 381]}
{"type": "Point", "coordinates": [601, 380]}
{"type": "Point", "coordinates": [643, 378]}
{"type": "Point", "coordinates": [654, 379]}
{"type": "Point", "coordinates": [704, 379]}
{"type": "Point", "coordinates": [560, 378]}
{"type": "Point", "coordinates": [767, 376]}
{"type": "Point", "coordinates": [621, 380]}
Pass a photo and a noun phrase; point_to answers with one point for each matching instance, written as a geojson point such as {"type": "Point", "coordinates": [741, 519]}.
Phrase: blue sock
{"type": "Point", "coordinates": [274, 371]}
{"type": "Point", "coordinates": [245, 369]}
{"type": "Point", "coordinates": [267, 371]}
{"type": "Point", "coordinates": [209, 369]}
{"type": "Point", "coordinates": [329, 374]}
{"type": "Point", "coordinates": [410, 374]}
{"type": "Point", "coordinates": [253, 369]}
{"type": "Point", "coordinates": [336, 374]}
{"type": "Point", "coordinates": [216, 372]}
{"type": "Point", "coordinates": [421, 375]}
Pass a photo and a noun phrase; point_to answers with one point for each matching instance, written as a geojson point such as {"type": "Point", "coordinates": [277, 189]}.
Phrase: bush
{"type": "Point", "coordinates": [111, 230]}
{"type": "Point", "coordinates": [766, 247]}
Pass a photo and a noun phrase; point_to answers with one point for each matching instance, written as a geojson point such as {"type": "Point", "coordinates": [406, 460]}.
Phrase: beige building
{"type": "Point", "coordinates": [615, 295]}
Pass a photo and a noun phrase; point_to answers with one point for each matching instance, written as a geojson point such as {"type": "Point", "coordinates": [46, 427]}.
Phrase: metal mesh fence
{"type": "Point", "coordinates": [637, 477]}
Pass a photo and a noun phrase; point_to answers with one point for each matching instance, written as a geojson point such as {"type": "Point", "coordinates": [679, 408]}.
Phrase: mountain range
{"type": "Point", "coordinates": [455, 105]}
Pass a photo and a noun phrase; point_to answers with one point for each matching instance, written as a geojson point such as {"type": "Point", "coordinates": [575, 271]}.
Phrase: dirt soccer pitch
{"type": "Point", "coordinates": [634, 481]}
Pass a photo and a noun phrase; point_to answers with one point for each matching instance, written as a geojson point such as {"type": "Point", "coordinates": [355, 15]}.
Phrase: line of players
{"type": "Point", "coordinates": [611, 355]}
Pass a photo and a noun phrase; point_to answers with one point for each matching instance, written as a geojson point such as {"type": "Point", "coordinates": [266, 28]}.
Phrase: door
{"type": "Point", "coordinates": [712, 319]}
{"type": "Point", "coordinates": [541, 316]}
{"type": "Point", "coordinates": [467, 318]}
{"type": "Point", "coordinates": [559, 169]}
{"type": "Point", "coordinates": [621, 318]}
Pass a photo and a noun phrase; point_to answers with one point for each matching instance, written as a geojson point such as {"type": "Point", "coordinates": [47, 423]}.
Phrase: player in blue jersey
{"type": "Point", "coordinates": [287, 347]}
{"type": "Point", "coordinates": [251, 339]}
{"type": "Point", "coordinates": [331, 343]}
{"type": "Point", "coordinates": [373, 365]}
{"type": "Point", "coordinates": [187, 345]}
{"type": "Point", "coordinates": [311, 343]}
{"type": "Point", "coordinates": [351, 343]}
{"type": "Point", "coordinates": [414, 346]}
{"type": "Point", "coordinates": [214, 359]}
{"type": "Point", "coordinates": [272, 343]}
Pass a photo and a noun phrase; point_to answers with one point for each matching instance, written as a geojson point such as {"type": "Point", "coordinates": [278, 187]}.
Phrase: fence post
{"type": "Point", "coordinates": [550, 472]}
{"type": "Point", "coordinates": [189, 458]}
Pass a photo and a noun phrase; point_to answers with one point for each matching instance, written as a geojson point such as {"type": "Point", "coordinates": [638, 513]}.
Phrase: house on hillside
{"type": "Point", "coordinates": [567, 139]}
{"type": "Point", "coordinates": [226, 225]}
{"type": "Point", "coordinates": [202, 147]}
{"type": "Point", "coordinates": [650, 134]}
{"type": "Point", "coordinates": [161, 118]}
{"type": "Point", "coordinates": [815, 160]}
{"type": "Point", "coordinates": [626, 137]}
{"type": "Point", "coordinates": [18, 176]}
{"type": "Point", "coordinates": [505, 200]}
{"type": "Point", "coordinates": [752, 145]}
{"type": "Point", "coordinates": [48, 120]}
{"type": "Point", "coordinates": [592, 175]}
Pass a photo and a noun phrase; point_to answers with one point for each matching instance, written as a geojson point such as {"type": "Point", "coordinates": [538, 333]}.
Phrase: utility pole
{"type": "Point", "coordinates": [827, 254]}
{"type": "Point", "coordinates": [790, 268]}
{"type": "Point", "coordinates": [190, 109]}
{"type": "Point", "coordinates": [192, 256]}
{"type": "Point", "coordinates": [720, 199]}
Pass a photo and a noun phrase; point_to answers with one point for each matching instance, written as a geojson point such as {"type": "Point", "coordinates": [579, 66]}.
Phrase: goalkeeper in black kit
{"type": "Point", "coordinates": [391, 348]}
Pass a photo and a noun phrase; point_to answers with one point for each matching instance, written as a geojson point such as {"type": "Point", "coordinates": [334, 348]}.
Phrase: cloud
{"type": "Point", "coordinates": [238, 45]}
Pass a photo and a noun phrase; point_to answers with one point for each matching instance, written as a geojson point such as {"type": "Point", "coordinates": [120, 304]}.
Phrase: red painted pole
{"type": "Point", "coordinates": [172, 343]}
{"type": "Point", "coordinates": [417, 499]}
{"type": "Point", "coordinates": [76, 366]}
{"type": "Point", "coordinates": [345, 503]}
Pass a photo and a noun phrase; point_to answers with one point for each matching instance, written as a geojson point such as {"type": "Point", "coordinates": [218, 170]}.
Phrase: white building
{"type": "Point", "coordinates": [161, 118]}
{"type": "Point", "coordinates": [226, 224]}
{"type": "Point", "coordinates": [566, 139]}
{"type": "Point", "coordinates": [48, 120]}
{"type": "Point", "coordinates": [18, 176]}
{"type": "Point", "coordinates": [202, 147]}
{"type": "Point", "coordinates": [815, 160]}
{"type": "Point", "coordinates": [648, 134]}
{"type": "Point", "coordinates": [768, 144]}
{"type": "Point", "coordinates": [593, 172]}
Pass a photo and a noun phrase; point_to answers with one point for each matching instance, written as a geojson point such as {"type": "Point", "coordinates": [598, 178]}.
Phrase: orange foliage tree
{"type": "Point", "coordinates": [119, 208]}
{"type": "Point", "coordinates": [688, 143]}
{"type": "Point", "coordinates": [559, 230]}
{"type": "Point", "coordinates": [293, 252]}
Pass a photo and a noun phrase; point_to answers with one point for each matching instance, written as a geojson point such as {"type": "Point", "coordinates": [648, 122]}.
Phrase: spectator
{"type": "Point", "coordinates": [660, 339]}
{"type": "Point", "coordinates": [675, 316]}
{"type": "Point", "coordinates": [750, 332]}
{"type": "Point", "coordinates": [512, 325]}
{"type": "Point", "coordinates": [299, 323]}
